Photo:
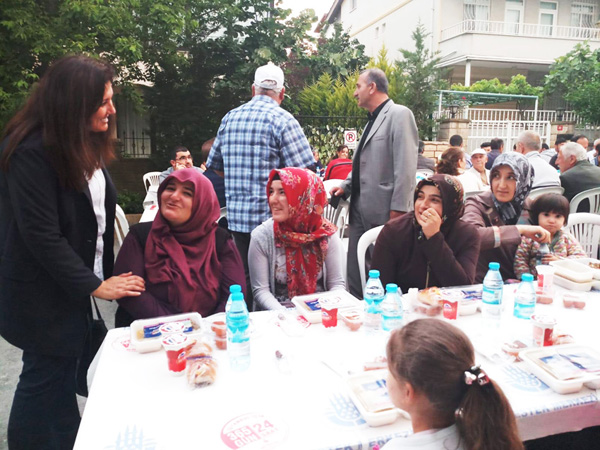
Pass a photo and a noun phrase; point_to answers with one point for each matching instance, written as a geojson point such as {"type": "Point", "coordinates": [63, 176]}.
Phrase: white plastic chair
{"type": "Point", "coordinates": [329, 184]}
{"type": "Point", "coordinates": [472, 194]}
{"type": "Point", "coordinates": [423, 173]}
{"type": "Point", "coordinates": [535, 193]}
{"type": "Point", "coordinates": [593, 195]}
{"type": "Point", "coordinates": [223, 213]}
{"type": "Point", "coordinates": [364, 243]}
{"type": "Point", "coordinates": [342, 216]}
{"type": "Point", "coordinates": [586, 229]}
{"type": "Point", "coordinates": [151, 179]}
{"type": "Point", "coordinates": [121, 228]}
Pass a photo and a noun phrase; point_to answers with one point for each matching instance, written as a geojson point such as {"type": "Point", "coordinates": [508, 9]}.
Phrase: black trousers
{"type": "Point", "coordinates": [44, 413]}
{"type": "Point", "coordinates": [242, 242]}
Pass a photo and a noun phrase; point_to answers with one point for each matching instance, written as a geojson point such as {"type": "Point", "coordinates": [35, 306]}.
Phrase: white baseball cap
{"type": "Point", "coordinates": [269, 76]}
{"type": "Point", "coordinates": [479, 151]}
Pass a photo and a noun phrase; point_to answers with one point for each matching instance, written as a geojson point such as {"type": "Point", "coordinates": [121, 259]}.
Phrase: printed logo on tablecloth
{"type": "Point", "coordinates": [133, 438]}
{"type": "Point", "coordinates": [253, 431]}
{"type": "Point", "coordinates": [123, 342]}
{"type": "Point", "coordinates": [522, 380]}
{"type": "Point", "coordinates": [343, 412]}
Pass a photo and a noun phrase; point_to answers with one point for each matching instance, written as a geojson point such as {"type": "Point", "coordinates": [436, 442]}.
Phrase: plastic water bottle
{"type": "Point", "coordinates": [232, 290]}
{"type": "Point", "coordinates": [544, 250]}
{"type": "Point", "coordinates": [238, 334]}
{"type": "Point", "coordinates": [373, 296]}
{"type": "Point", "coordinates": [525, 298]}
{"type": "Point", "coordinates": [393, 312]}
{"type": "Point", "coordinates": [491, 297]}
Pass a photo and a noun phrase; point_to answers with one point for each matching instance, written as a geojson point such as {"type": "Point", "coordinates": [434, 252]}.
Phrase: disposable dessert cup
{"type": "Point", "coordinates": [329, 313]}
{"type": "Point", "coordinates": [169, 328]}
{"type": "Point", "coordinates": [572, 300]}
{"type": "Point", "coordinates": [545, 280]}
{"type": "Point", "coordinates": [219, 328]}
{"type": "Point", "coordinates": [543, 328]}
{"type": "Point", "coordinates": [352, 318]}
{"type": "Point", "coordinates": [221, 342]}
{"type": "Point", "coordinates": [450, 308]}
{"type": "Point", "coordinates": [175, 346]}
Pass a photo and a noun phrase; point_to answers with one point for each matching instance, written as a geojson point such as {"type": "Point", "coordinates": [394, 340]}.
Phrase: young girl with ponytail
{"type": "Point", "coordinates": [452, 403]}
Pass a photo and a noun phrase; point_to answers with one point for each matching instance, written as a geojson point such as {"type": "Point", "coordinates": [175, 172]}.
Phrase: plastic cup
{"type": "Point", "coordinates": [450, 308]}
{"type": "Point", "coordinates": [175, 347]}
{"type": "Point", "coordinates": [219, 328]}
{"type": "Point", "coordinates": [221, 342]}
{"type": "Point", "coordinates": [329, 313]}
{"type": "Point", "coordinates": [545, 281]}
{"type": "Point", "coordinates": [543, 329]}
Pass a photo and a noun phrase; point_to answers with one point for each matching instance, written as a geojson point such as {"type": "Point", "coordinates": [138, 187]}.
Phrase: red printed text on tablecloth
{"type": "Point", "coordinates": [251, 431]}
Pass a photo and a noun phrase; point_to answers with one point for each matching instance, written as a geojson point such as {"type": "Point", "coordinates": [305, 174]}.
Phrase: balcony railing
{"type": "Point", "coordinates": [520, 29]}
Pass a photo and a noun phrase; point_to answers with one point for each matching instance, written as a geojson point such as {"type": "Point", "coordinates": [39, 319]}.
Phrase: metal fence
{"type": "Point", "coordinates": [485, 130]}
{"type": "Point", "coordinates": [326, 133]}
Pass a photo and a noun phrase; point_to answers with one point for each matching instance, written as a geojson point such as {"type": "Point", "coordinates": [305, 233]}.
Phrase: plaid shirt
{"type": "Point", "coordinates": [252, 140]}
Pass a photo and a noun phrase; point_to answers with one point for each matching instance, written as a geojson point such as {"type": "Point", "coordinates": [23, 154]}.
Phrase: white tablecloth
{"type": "Point", "coordinates": [135, 403]}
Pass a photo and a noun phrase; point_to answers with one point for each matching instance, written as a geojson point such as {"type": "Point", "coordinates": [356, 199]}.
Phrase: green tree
{"type": "Point", "coordinates": [417, 80]}
{"type": "Point", "coordinates": [576, 76]}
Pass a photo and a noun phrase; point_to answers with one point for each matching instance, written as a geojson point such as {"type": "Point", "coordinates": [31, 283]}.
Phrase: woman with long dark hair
{"type": "Point", "coordinates": [452, 403]}
{"type": "Point", "coordinates": [57, 210]}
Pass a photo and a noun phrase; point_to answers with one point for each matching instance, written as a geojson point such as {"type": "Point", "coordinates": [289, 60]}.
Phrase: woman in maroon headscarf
{"type": "Point", "coordinates": [429, 246]}
{"type": "Point", "coordinates": [187, 261]}
{"type": "Point", "coordinates": [296, 252]}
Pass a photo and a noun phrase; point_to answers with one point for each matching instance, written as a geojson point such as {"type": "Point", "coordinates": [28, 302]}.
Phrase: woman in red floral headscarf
{"type": "Point", "coordinates": [296, 252]}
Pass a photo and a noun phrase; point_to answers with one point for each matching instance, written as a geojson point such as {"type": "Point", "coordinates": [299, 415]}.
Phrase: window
{"type": "Point", "coordinates": [583, 14]}
{"type": "Point", "coordinates": [376, 32]}
{"type": "Point", "coordinates": [477, 9]}
{"type": "Point", "coordinates": [383, 30]}
{"type": "Point", "coordinates": [476, 14]}
{"type": "Point", "coordinates": [513, 16]}
{"type": "Point", "coordinates": [547, 18]}
{"type": "Point", "coordinates": [353, 4]}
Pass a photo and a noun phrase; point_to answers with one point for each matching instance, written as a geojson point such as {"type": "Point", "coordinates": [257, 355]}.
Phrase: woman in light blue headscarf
{"type": "Point", "coordinates": [496, 213]}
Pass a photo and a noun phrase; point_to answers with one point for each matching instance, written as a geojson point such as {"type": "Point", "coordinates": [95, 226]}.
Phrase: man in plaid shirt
{"type": "Point", "coordinates": [252, 140]}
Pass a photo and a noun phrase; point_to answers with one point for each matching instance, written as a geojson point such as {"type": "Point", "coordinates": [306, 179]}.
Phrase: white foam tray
{"type": "Point", "coordinates": [146, 345]}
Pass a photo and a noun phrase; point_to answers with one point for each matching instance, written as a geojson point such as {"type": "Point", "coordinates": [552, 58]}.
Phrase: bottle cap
{"type": "Point", "coordinates": [391, 287]}
{"type": "Point", "coordinates": [494, 266]}
{"type": "Point", "coordinates": [235, 288]}
{"type": "Point", "coordinates": [526, 277]}
{"type": "Point", "coordinates": [374, 273]}
{"type": "Point", "coordinates": [237, 296]}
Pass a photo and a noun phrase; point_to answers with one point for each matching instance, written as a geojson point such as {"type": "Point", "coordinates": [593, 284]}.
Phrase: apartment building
{"type": "Point", "coordinates": [476, 39]}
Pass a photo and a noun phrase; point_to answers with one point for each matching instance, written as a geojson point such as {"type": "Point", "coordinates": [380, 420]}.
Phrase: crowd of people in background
{"type": "Point", "coordinates": [58, 208]}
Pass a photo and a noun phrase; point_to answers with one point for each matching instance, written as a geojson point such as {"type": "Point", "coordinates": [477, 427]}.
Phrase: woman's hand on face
{"type": "Point", "coordinates": [124, 285]}
{"type": "Point", "coordinates": [535, 232]}
{"type": "Point", "coordinates": [430, 222]}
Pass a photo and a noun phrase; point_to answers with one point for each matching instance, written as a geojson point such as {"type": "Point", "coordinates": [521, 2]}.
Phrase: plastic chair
{"type": "Point", "coordinates": [535, 193]}
{"type": "Point", "coordinates": [593, 195]}
{"type": "Point", "coordinates": [330, 184]}
{"type": "Point", "coordinates": [472, 194]}
{"type": "Point", "coordinates": [586, 229]}
{"type": "Point", "coordinates": [342, 217]}
{"type": "Point", "coordinates": [151, 179]}
{"type": "Point", "coordinates": [423, 173]}
{"type": "Point", "coordinates": [121, 228]}
{"type": "Point", "coordinates": [223, 213]}
{"type": "Point", "coordinates": [364, 243]}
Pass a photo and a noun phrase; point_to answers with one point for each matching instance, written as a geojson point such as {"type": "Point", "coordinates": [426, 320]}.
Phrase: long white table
{"type": "Point", "coordinates": [135, 403]}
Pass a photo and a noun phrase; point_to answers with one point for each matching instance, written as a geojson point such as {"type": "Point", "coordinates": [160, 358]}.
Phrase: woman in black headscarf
{"type": "Point", "coordinates": [429, 246]}
{"type": "Point", "coordinates": [495, 213]}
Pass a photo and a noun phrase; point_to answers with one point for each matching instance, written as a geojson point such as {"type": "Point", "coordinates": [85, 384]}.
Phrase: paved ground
{"type": "Point", "coordinates": [10, 368]}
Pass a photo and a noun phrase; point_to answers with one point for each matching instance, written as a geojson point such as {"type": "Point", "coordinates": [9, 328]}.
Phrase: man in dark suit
{"type": "Point", "coordinates": [384, 167]}
{"type": "Point", "coordinates": [423, 162]}
{"type": "Point", "coordinates": [577, 174]}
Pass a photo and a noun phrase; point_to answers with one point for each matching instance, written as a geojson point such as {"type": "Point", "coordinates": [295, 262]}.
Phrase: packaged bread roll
{"type": "Point", "coordinates": [201, 367]}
